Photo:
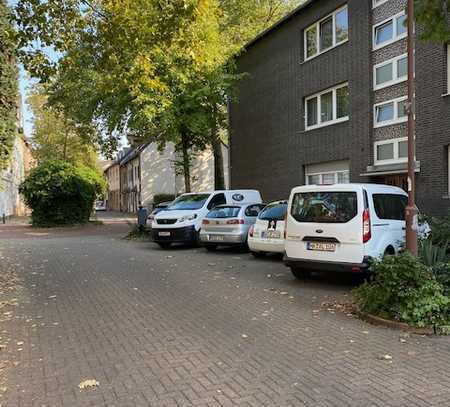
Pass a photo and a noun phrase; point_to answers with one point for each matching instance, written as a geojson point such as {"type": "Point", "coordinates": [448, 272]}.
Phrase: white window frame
{"type": "Point", "coordinates": [395, 79]}
{"type": "Point", "coordinates": [396, 119]}
{"type": "Point", "coordinates": [395, 36]}
{"type": "Point", "coordinates": [321, 174]}
{"type": "Point", "coordinates": [319, 107]}
{"type": "Point", "coordinates": [396, 158]}
{"type": "Point", "coordinates": [376, 3]}
{"type": "Point", "coordinates": [316, 25]}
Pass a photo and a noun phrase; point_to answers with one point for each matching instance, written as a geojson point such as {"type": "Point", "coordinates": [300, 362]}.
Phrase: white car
{"type": "Point", "coordinates": [341, 227]}
{"type": "Point", "coordinates": [181, 221]}
{"type": "Point", "coordinates": [267, 234]}
{"type": "Point", "coordinates": [100, 206]}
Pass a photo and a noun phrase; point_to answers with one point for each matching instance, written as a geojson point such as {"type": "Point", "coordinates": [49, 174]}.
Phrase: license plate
{"type": "Point", "coordinates": [322, 247]}
{"type": "Point", "coordinates": [216, 238]}
{"type": "Point", "coordinates": [271, 234]}
{"type": "Point", "coordinates": [163, 234]}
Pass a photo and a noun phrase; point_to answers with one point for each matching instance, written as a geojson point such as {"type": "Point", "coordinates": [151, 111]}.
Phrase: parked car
{"type": "Point", "coordinates": [158, 208]}
{"type": "Point", "coordinates": [341, 227]}
{"type": "Point", "coordinates": [181, 221]}
{"type": "Point", "coordinates": [228, 225]}
{"type": "Point", "coordinates": [267, 234]}
{"type": "Point", "coordinates": [100, 206]}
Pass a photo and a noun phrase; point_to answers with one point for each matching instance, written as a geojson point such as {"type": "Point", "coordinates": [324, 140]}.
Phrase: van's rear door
{"type": "Point", "coordinates": [326, 225]}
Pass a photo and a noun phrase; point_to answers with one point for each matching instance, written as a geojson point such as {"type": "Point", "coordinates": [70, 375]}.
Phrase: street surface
{"type": "Point", "coordinates": [185, 327]}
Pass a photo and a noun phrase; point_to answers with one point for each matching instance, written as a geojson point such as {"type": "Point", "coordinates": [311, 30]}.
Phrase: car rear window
{"type": "Point", "coordinates": [224, 212]}
{"type": "Point", "coordinates": [390, 206]}
{"type": "Point", "coordinates": [324, 207]}
{"type": "Point", "coordinates": [273, 212]}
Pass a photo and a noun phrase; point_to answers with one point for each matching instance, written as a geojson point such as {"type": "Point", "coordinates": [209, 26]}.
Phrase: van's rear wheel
{"type": "Point", "coordinates": [301, 274]}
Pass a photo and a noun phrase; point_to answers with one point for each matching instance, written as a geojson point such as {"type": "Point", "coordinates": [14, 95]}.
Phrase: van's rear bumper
{"type": "Point", "coordinates": [328, 265]}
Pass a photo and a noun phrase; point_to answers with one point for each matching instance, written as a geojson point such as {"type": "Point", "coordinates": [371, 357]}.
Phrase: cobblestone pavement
{"type": "Point", "coordinates": [189, 328]}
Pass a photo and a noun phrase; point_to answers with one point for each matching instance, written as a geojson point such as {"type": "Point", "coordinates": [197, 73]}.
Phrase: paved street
{"type": "Point", "coordinates": [190, 328]}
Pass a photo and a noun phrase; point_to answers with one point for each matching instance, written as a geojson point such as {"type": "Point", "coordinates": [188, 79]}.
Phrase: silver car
{"type": "Point", "coordinates": [227, 225]}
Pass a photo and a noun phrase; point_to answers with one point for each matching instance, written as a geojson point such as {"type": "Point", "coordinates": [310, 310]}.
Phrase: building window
{"type": "Point", "coordinates": [390, 30]}
{"type": "Point", "coordinates": [328, 178]}
{"type": "Point", "coordinates": [326, 33]}
{"type": "Point", "coordinates": [377, 3]}
{"type": "Point", "coordinates": [391, 72]}
{"type": "Point", "coordinates": [328, 107]}
{"type": "Point", "coordinates": [391, 151]}
{"type": "Point", "coordinates": [391, 112]}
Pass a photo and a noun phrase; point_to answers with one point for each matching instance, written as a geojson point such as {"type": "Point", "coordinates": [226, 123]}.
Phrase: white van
{"type": "Point", "coordinates": [341, 227]}
{"type": "Point", "coordinates": [181, 221]}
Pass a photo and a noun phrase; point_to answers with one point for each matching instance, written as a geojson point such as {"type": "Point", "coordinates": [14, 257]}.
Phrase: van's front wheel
{"type": "Point", "coordinates": [301, 274]}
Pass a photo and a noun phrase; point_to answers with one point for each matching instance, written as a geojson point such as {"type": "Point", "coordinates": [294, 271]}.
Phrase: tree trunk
{"type": "Point", "coordinates": [219, 176]}
{"type": "Point", "coordinates": [186, 163]}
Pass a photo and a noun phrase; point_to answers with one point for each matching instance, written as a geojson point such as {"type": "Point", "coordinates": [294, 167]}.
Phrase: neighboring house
{"type": "Point", "coordinates": [145, 171]}
{"type": "Point", "coordinates": [325, 102]}
{"type": "Point", "coordinates": [112, 176]}
{"type": "Point", "coordinates": [11, 203]}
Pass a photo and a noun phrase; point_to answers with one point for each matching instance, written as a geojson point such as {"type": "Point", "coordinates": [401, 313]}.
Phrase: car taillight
{"type": "Point", "coordinates": [205, 222]}
{"type": "Point", "coordinates": [251, 231]}
{"type": "Point", "coordinates": [367, 233]}
{"type": "Point", "coordinates": [235, 222]}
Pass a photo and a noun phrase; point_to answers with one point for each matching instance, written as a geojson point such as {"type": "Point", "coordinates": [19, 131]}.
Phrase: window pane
{"type": "Point", "coordinates": [344, 177]}
{"type": "Point", "coordinates": [390, 206]}
{"type": "Point", "coordinates": [403, 149]}
{"type": "Point", "coordinates": [342, 100]}
{"type": "Point", "coordinates": [273, 212]}
{"type": "Point", "coordinates": [326, 34]}
{"type": "Point", "coordinates": [402, 67]}
{"type": "Point", "coordinates": [385, 152]}
{"type": "Point", "coordinates": [313, 179]}
{"type": "Point", "coordinates": [326, 107]}
{"type": "Point", "coordinates": [384, 33]}
{"type": "Point", "coordinates": [401, 25]}
{"type": "Point", "coordinates": [342, 25]}
{"type": "Point", "coordinates": [311, 42]}
{"type": "Point", "coordinates": [384, 74]}
{"type": "Point", "coordinates": [402, 108]}
{"type": "Point", "coordinates": [311, 107]}
{"type": "Point", "coordinates": [328, 179]}
{"type": "Point", "coordinates": [385, 112]}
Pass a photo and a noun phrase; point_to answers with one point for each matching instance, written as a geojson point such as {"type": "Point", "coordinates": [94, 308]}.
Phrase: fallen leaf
{"type": "Point", "coordinates": [87, 384]}
{"type": "Point", "coordinates": [244, 336]}
{"type": "Point", "coordinates": [20, 343]}
{"type": "Point", "coordinates": [385, 357]}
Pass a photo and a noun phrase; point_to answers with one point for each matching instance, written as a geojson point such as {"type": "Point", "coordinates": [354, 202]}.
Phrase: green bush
{"type": "Point", "coordinates": [404, 289]}
{"type": "Point", "coordinates": [440, 230]}
{"type": "Point", "coordinates": [432, 254]}
{"type": "Point", "coordinates": [159, 198]}
{"type": "Point", "coordinates": [61, 193]}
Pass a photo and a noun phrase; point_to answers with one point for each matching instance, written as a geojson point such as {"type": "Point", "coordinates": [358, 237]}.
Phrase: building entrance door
{"type": "Point", "coordinates": [398, 180]}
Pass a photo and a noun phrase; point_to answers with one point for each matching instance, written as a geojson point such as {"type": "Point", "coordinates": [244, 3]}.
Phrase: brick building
{"type": "Point", "coordinates": [325, 102]}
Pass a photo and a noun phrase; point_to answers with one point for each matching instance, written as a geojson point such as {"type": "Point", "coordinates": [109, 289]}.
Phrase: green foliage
{"type": "Point", "coordinates": [433, 17]}
{"type": "Point", "coordinates": [159, 198]}
{"type": "Point", "coordinates": [432, 254]}
{"type": "Point", "coordinates": [404, 289]}
{"type": "Point", "coordinates": [61, 193]}
{"type": "Point", "coordinates": [8, 86]}
{"type": "Point", "coordinates": [440, 229]}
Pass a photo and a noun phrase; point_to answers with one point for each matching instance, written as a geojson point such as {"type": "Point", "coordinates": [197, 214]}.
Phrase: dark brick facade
{"type": "Point", "coordinates": [269, 145]}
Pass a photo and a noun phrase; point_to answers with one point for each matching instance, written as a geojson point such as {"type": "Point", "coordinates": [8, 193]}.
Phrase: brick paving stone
{"type": "Point", "coordinates": [168, 328]}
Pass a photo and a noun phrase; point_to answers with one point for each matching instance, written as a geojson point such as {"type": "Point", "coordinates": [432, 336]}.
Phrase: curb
{"type": "Point", "coordinates": [400, 326]}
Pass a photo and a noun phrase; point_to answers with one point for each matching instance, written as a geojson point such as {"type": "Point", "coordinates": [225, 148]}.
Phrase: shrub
{"type": "Point", "coordinates": [404, 289]}
{"type": "Point", "coordinates": [431, 254]}
{"type": "Point", "coordinates": [440, 230]}
{"type": "Point", "coordinates": [159, 198]}
{"type": "Point", "coordinates": [61, 193]}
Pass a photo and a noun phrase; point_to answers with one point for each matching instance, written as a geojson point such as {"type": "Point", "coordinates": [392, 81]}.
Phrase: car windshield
{"type": "Point", "coordinates": [188, 202]}
{"type": "Point", "coordinates": [324, 207]}
{"type": "Point", "coordinates": [273, 212]}
{"type": "Point", "coordinates": [224, 212]}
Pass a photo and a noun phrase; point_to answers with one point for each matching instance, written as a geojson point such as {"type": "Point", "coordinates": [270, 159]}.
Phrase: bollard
{"type": "Point", "coordinates": [4, 218]}
{"type": "Point", "coordinates": [142, 218]}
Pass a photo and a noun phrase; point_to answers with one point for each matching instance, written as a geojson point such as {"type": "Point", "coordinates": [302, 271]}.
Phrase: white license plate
{"type": "Point", "coordinates": [321, 247]}
{"type": "Point", "coordinates": [213, 238]}
{"type": "Point", "coordinates": [271, 234]}
{"type": "Point", "coordinates": [163, 234]}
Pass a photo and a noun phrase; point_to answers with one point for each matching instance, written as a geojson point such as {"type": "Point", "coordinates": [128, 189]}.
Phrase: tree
{"type": "Point", "coordinates": [55, 137]}
{"type": "Point", "coordinates": [433, 17]}
{"type": "Point", "coordinates": [8, 86]}
{"type": "Point", "coordinates": [61, 193]}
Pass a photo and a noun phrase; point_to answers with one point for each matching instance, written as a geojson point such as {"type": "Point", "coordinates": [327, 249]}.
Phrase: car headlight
{"type": "Point", "coordinates": [187, 218]}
